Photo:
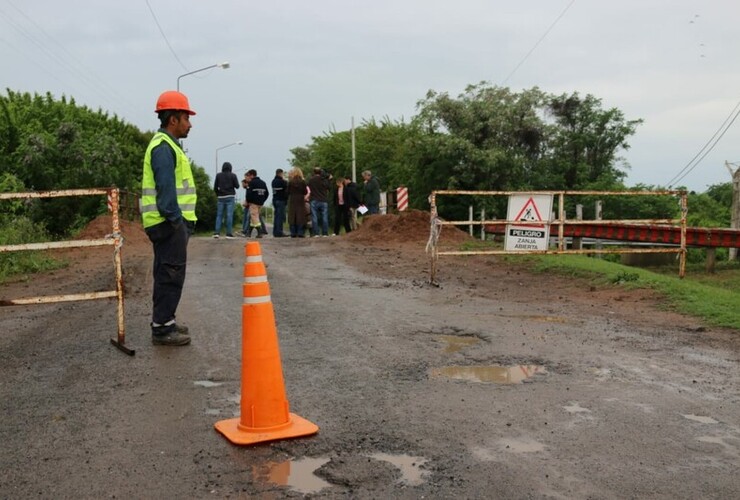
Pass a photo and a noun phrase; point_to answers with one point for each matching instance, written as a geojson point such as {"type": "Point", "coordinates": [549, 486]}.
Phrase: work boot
{"type": "Point", "coordinates": [170, 335]}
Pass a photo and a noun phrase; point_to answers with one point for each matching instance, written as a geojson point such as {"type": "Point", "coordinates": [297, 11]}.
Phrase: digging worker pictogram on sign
{"type": "Point", "coordinates": [528, 208]}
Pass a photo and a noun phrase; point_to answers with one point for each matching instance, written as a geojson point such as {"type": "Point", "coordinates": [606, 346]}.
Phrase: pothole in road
{"type": "Point", "coordinates": [410, 467]}
{"type": "Point", "coordinates": [303, 475]}
{"type": "Point", "coordinates": [496, 374]}
{"type": "Point", "coordinates": [456, 343]}
{"type": "Point", "coordinates": [296, 474]}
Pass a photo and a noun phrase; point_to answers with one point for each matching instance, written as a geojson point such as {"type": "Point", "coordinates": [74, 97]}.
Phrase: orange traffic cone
{"type": "Point", "coordinates": [264, 407]}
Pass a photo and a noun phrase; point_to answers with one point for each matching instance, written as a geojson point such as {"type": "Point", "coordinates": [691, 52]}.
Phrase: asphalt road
{"type": "Point", "coordinates": [418, 391]}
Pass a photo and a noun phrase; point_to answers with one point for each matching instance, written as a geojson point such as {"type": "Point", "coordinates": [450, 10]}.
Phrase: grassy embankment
{"type": "Point", "coordinates": [713, 297]}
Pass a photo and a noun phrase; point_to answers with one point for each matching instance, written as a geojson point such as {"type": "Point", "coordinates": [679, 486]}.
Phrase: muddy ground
{"type": "Point", "coordinates": [497, 384]}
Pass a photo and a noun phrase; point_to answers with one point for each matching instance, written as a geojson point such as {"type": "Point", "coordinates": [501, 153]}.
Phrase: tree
{"type": "Point", "coordinates": [487, 138]}
{"type": "Point", "coordinates": [51, 144]}
{"type": "Point", "coordinates": [585, 142]}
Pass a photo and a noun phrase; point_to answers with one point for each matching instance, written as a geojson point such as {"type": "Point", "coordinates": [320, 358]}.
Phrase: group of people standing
{"type": "Point", "coordinates": [225, 186]}
{"type": "Point", "coordinates": [303, 204]}
{"type": "Point", "coordinates": [169, 198]}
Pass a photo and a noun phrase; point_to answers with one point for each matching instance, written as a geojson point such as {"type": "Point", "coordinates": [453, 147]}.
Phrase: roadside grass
{"type": "Point", "coordinates": [22, 264]}
{"type": "Point", "coordinates": [713, 297]}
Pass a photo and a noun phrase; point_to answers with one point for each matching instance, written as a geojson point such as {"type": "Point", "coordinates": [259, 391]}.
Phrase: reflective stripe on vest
{"type": "Point", "coordinates": [184, 184]}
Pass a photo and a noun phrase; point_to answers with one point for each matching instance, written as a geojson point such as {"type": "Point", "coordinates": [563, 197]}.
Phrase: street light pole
{"type": "Point", "coordinates": [237, 143]}
{"type": "Point", "coordinates": [223, 65]}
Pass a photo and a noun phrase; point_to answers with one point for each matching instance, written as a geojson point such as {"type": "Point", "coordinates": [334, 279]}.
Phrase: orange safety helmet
{"type": "Point", "coordinates": [173, 100]}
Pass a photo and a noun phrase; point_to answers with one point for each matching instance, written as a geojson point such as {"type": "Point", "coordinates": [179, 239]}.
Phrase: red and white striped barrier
{"type": "Point", "coordinates": [402, 198]}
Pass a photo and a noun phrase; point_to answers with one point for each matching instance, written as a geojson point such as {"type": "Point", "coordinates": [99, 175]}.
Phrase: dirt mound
{"type": "Point", "coordinates": [410, 226]}
{"type": "Point", "coordinates": [133, 232]}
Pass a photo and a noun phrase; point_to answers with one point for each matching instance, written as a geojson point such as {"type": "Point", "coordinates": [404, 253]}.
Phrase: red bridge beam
{"type": "Point", "coordinates": [695, 236]}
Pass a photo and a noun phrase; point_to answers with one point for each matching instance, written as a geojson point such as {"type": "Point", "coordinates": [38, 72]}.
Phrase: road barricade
{"type": "Point", "coordinates": [114, 239]}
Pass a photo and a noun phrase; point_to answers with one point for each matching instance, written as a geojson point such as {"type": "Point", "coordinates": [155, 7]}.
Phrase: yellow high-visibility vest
{"type": "Point", "coordinates": [184, 184]}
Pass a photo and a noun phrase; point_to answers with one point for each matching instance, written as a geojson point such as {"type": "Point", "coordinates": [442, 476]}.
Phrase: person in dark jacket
{"type": "Point", "coordinates": [225, 186]}
{"type": "Point", "coordinates": [353, 200]}
{"type": "Point", "coordinates": [168, 200]}
{"type": "Point", "coordinates": [257, 194]}
{"type": "Point", "coordinates": [319, 185]}
{"type": "Point", "coordinates": [279, 203]}
{"type": "Point", "coordinates": [340, 202]}
{"type": "Point", "coordinates": [372, 193]}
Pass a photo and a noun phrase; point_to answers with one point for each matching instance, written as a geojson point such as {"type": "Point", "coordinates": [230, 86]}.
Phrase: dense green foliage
{"type": "Point", "coordinates": [48, 144]}
{"type": "Point", "coordinates": [52, 145]}
{"type": "Point", "coordinates": [490, 138]}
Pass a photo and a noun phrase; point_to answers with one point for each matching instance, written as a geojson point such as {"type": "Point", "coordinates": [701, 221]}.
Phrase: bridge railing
{"type": "Point", "coordinates": [558, 221]}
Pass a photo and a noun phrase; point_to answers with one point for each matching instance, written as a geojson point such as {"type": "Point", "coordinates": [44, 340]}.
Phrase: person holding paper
{"type": "Point", "coordinates": [372, 193]}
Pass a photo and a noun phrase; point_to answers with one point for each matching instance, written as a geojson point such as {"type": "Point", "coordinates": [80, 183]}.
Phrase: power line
{"type": "Point", "coordinates": [161, 31]}
{"type": "Point", "coordinates": [686, 170]}
{"type": "Point", "coordinates": [538, 42]}
{"type": "Point", "coordinates": [58, 54]}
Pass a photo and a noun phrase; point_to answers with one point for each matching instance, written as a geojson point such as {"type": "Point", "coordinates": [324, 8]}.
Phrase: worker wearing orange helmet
{"type": "Point", "coordinates": [168, 201]}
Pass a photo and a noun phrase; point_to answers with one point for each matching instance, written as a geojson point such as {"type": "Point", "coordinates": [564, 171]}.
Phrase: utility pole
{"type": "Point", "coordinates": [735, 210]}
{"type": "Point", "coordinates": [354, 158]}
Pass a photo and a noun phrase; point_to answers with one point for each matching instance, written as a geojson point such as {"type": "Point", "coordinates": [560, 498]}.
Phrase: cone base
{"type": "Point", "coordinates": [297, 427]}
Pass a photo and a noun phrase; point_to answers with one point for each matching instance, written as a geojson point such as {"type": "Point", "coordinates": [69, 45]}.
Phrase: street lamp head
{"type": "Point", "coordinates": [223, 65]}
{"type": "Point", "coordinates": [239, 143]}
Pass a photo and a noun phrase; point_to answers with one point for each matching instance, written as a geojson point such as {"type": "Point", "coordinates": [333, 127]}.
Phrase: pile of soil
{"type": "Point", "coordinates": [132, 232]}
{"type": "Point", "coordinates": [409, 226]}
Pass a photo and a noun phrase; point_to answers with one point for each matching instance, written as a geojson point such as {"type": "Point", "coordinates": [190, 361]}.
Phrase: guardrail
{"type": "Point", "coordinates": [560, 222]}
{"type": "Point", "coordinates": [115, 239]}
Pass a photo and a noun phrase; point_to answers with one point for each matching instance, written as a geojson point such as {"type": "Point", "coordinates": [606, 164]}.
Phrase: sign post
{"type": "Point", "coordinates": [535, 209]}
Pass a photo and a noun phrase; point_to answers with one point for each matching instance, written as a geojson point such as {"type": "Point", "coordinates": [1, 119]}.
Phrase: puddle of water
{"type": "Point", "coordinates": [207, 383]}
{"type": "Point", "coordinates": [411, 473]}
{"type": "Point", "coordinates": [456, 343]}
{"type": "Point", "coordinates": [701, 419]}
{"type": "Point", "coordinates": [297, 474]}
{"type": "Point", "coordinates": [302, 477]}
{"type": "Point", "coordinates": [493, 373]}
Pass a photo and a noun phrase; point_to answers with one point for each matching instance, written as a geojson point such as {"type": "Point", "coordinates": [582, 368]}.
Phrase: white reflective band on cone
{"type": "Point", "coordinates": [257, 300]}
{"type": "Point", "coordinates": [254, 258]}
{"type": "Point", "coordinates": [255, 279]}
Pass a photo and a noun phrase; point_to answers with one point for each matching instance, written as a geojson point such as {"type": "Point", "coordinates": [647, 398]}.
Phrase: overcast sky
{"type": "Point", "coordinates": [300, 68]}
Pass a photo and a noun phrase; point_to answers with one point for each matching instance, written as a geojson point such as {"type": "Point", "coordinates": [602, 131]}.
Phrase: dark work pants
{"type": "Point", "coordinates": [279, 217]}
{"type": "Point", "coordinates": [170, 258]}
{"type": "Point", "coordinates": [342, 217]}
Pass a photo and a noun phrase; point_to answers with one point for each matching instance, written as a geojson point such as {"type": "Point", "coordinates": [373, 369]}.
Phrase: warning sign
{"type": "Point", "coordinates": [534, 209]}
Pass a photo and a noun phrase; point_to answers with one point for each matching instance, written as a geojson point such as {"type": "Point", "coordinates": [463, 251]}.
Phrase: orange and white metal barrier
{"type": "Point", "coordinates": [114, 239]}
